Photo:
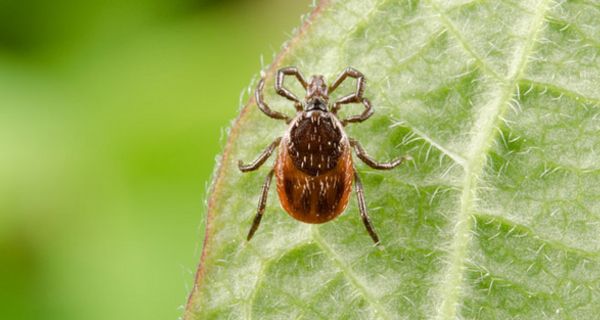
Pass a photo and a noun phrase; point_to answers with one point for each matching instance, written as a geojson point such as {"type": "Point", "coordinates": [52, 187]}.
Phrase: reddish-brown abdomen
{"type": "Point", "coordinates": [314, 198]}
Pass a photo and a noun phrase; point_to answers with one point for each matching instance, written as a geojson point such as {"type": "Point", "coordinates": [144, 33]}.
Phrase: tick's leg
{"type": "Point", "coordinates": [362, 207]}
{"type": "Point", "coordinates": [283, 91]}
{"type": "Point", "coordinates": [362, 154]}
{"type": "Point", "coordinates": [356, 97]}
{"type": "Point", "coordinates": [264, 107]}
{"type": "Point", "coordinates": [262, 202]}
{"type": "Point", "coordinates": [261, 158]}
{"type": "Point", "coordinates": [353, 73]}
{"type": "Point", "coordinates": [353, 97]}
{"type": "Point", "coordinates": [361, 117]}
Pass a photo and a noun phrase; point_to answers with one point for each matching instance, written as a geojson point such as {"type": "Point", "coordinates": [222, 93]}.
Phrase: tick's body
{"type": "Point", "coordinates": [314, 168]}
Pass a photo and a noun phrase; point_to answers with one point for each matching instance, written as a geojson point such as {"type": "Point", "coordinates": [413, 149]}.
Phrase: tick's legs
{"type": "Point", "coordinates": [262, 202]}
{"type": "Point", "coordinates": [262, 105]}
{"type": "Point", "coordinates": [362, 154]}
{"type": "Point", "coordinates": [353, 97]}
{"type": "Point", "coordinates": [360, 117]}
{"type": "Point", "coordinates": [353, 73]}
{"type": "Point", "coordinates": [282, 91]}
{"type": "Point", "coordinates": [362, 207]}
{"type": "Point", "coordinates": [261, 158]}
{"type": "Point", "coordinates": [356, 97]}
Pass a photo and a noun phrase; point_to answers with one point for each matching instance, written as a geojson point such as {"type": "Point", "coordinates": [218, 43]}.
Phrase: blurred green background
{"type": "Point", "coordinates": [111, 115]}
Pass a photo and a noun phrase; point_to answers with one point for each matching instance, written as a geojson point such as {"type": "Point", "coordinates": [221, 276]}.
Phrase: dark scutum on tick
{"type": "Point", "coordinates": [314, 168]}
{"type": "Point", "coordinates": [315, 144]}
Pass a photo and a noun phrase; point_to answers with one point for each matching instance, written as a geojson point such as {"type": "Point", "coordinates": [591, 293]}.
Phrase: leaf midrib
{"type": "Point", "coordinates": [452, 284]}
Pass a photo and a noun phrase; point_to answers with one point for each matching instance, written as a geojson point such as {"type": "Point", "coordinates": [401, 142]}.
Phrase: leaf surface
{"type": "Point", "coordinates": [497, 217]}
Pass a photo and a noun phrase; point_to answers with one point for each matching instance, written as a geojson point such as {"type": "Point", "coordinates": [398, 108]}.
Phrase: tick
{"type": "Point", "coordinates": [314, 168]}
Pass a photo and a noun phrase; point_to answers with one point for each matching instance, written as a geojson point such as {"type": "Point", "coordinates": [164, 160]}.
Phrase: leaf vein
{"type": "Point", "coordinates": [567, 92]}
{"type": "Point", "coordinates": [490, 115]}
{"type": "Point", "coordinates": [451, 154]}
{"type": "Point", "coordinates": [348, 273]}
{"type": "Point", "coordinates": [529, 231]}
{"type": "Point", "coordinates": [465, 44]}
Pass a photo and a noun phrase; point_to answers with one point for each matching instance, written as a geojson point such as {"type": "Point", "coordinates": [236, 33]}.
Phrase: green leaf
{"type": "Point", "coordinates": [497, 217]}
